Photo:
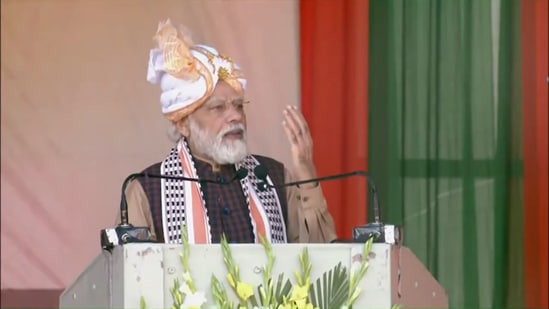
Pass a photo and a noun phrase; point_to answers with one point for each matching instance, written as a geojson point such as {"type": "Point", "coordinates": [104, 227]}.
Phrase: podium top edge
{"type": "Point", "coordinates": [252, 245]}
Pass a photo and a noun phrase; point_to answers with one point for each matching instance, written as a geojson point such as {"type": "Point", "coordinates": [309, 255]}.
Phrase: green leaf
{"type": "Point", "coordinates": [331, 289]}
{"type": "Point", "coordinates": [176, 295]}
{"type": "Point", "coordinates": [298, 277]}
{"type": "Point", "coordinates": [367, 248]}
{"type": "Point", "coordinates": [282, 288]}
{"type": "Point", "coordinates": [220, 295]}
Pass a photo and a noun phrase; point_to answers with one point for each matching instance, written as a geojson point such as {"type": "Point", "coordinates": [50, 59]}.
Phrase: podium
{"type": "Point", "coordinates": [122, 277]}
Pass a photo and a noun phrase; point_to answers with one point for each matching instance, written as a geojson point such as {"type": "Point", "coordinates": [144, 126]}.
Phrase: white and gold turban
{"type": "Point", "coordinates": [187, 73]}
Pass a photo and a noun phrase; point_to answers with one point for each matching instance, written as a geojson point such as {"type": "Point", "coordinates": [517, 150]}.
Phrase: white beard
{"type": "Point", "coordinates": [215, 147]}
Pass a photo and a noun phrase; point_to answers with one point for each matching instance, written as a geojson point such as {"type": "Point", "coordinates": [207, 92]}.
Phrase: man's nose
{"type": "Point", "coordinates": [234, 114]}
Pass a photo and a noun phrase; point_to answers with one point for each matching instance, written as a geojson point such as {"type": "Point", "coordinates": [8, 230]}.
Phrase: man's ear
{"type": "Point", "coordinates": [183, 127]}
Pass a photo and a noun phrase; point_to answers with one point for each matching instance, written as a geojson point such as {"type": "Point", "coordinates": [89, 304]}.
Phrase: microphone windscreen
{"type": "Point", "coordinates": [260, 172]}
{"type": "Point", "coordinates": [241, 173]}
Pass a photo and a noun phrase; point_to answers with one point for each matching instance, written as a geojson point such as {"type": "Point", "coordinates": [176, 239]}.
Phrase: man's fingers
{"type": "Point", "coordinates": [298, 118]}
{"type": "Point", "coordinates": [296, 121]}
{"type": "Point", "coordinates": [289, 133]}
{"type": "Point", "coordinates": [292, 123]}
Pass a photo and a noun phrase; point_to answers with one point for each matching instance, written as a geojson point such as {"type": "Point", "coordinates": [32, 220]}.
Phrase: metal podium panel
{"type": "Point", "coordinates": [413, 285]}
{"type": "Point", "coordinates": [92, 288]}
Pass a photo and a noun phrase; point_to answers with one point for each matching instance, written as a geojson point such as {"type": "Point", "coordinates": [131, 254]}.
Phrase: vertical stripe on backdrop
{"type": "Point", "coordinates": [334, 79]}
{"type": "Point", "coordinates": [534, 35]}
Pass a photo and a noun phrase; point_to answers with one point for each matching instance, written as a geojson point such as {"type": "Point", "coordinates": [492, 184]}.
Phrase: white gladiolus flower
{"type": "Point", "coordinates": [186, 276]}
{"type": "Point", "coordinates": [184, 288]}
{"type": "Point", "coordinates": [195, 300]}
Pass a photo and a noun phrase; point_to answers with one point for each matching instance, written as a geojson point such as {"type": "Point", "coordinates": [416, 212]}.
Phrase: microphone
{"type": "Point", "coordinates": [126, 232]}
{"type": "Point", "coordinates": [382, 233]}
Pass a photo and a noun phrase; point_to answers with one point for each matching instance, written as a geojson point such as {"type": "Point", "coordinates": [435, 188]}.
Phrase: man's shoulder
{"type": "Point", "coordinates": [269, 162]}
{"type": "Point", "coordinates": [153, 168]}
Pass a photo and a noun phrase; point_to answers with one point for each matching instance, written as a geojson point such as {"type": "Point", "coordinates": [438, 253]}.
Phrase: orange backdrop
{"type": "Point", "coordinates": [334, 99]}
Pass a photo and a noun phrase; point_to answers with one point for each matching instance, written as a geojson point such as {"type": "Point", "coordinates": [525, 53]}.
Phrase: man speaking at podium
{"type": "Point", "coordinates": [203, 96]}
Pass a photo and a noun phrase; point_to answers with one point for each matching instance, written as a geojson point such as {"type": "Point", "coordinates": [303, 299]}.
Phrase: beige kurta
{"type": "Point", "coordinates": [309, 220]}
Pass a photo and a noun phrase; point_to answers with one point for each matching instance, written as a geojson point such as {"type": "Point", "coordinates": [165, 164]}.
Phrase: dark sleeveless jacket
{"type": "Point", "coordinates": [152, 189]}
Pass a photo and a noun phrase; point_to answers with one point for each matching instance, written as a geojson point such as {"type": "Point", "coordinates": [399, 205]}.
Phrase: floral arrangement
{"type": "Point", "coordinates": [336, 288]}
